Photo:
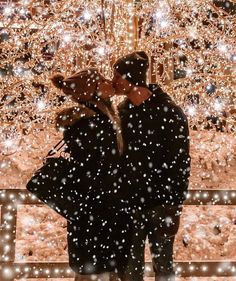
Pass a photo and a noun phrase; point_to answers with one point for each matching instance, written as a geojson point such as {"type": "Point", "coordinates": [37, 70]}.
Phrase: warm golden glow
{"type": "Point", "coordinates": [194, 40]}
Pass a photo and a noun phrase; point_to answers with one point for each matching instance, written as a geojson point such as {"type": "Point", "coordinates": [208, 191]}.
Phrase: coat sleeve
{"type": "Point", "coordinates": [176, 158]}
{"type": "Point", "coordinates": [83, 145]}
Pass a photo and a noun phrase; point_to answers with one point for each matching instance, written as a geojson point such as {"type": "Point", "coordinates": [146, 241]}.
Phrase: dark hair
{"type": "Point", "coordinates": [134, 67]}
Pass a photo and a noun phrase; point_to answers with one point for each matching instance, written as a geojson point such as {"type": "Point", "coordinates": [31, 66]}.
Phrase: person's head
{"type": "Point", "coordinates": [130, 72]}
{"type": "Point", "coordinates": [82, 86]}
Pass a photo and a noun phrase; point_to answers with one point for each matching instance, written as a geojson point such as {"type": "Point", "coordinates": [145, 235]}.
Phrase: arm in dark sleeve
{"type": "Point", "coordinates": [83, 145]}
{"type": "Point", "coordinates": [176, 162]}
{"type": "Point", "coordinates": [81, 140]}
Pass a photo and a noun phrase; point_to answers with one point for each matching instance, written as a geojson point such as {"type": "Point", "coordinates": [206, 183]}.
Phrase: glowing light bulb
{"type": "Point", "coordinates": [233, 57]}
{"type": "Point", "coordinates": [217, 105]}
{"type": "Point", "coordinates": [222, 48]}
{"type": "Point", "coordinates": [200, 61]}
{"type": "Point", "coordinates": [193, 32]}
{"type": "Point", "coordinates": [158, 14]}
{"type": "Point", "coordinates": [18, 70]}
{"type": "Point", "coordinates": [41, 105]}
{"type": "Point", "coordinates": [189, 72]}
{"type": "Point", "coordinates": [87, 15]}
{"type": "Point", "coordinates": [179, 269]}
{"type": "Point", "coordinates": [9, 143]}
{"type": "Point", "coordinates": [82, 37]}
{"type": "Point", "coordinates": [22, 12]}
{"type": "Point", "coordinates": [101, 51]}
{"type": "Point", "coordinates": [164, 23]}
{"type": "Point", "coordinates": [191, 267]}
{"type": "Point", "coordinates": [8, 273]}
{"type": "Point", "coordinates": [8, 11]}
{"type": "Point", "coordinates": [191, 110]}
{"type": "Point", "coordinates": [208, 87]}
{"type": "Point", "coordinates": [67, 38]}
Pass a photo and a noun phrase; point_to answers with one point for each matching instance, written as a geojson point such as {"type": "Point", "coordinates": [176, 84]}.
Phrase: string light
{"type": "Point", "coordinates": [7, 273]}
{"type": "Point", "coordinates": [75, 30]}
{"type": "Point", "coordinates": [40, 272]}
{"type": "Point", "coordinates": [191, 268]}
{"type": "Point", "coordinates": [8, 11]}
{"type": "Point", "coordinates": [41, 105]}
{"type": "Point", "coordinates": [218, 106]}
{"type": "Point", "coordinates": [101, 51]}
{"type": "Point", "coordinates": [164, 23]}
{"type": "Point", "coordinates": [189, 72]}
{"type": "Point", "coordinates": [204, 268]}
{"type": "Point", "coordinates": [67, 38]}
{"type": "Point", "coordinates": [222, 48]}
{"type": "Point", "coordinates": [191, 110]}
{"type": "Point", "coordinates": [9, 143]}
{"type": "Point", "coordinates": [87, 15]}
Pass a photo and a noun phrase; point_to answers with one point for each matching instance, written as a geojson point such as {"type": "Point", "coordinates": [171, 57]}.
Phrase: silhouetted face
{"type": "Point", "coordinates": [79, 89]}
{"type": "Point", "coordinates": [120, 84]}
{"type": "Point", "coordinates": [105, 89]}
{"type": "Point", "coordinates": [82, 97]}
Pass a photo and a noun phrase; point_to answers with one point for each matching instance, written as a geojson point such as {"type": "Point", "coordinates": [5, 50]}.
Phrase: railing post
{"type": "Point", "coordinates": [7, 241]}
{"type": "Point", "coordinates": [11, 270]}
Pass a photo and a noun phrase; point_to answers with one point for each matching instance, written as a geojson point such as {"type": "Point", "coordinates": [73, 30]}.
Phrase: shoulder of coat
{"type": "Point", "coordinates": [69, 116]}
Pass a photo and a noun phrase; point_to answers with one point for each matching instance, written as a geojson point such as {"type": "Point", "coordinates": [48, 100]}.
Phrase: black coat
{"type": "Point", "coordinates": [156, 162]}
{"type": "Point", "coordinates": [99, 241]}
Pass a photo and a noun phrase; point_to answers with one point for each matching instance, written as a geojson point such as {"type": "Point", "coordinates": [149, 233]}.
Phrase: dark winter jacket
{"type": "Point", "coordinates": [156, 163]}
{"type": "Point", "coordinates": [98, 242]}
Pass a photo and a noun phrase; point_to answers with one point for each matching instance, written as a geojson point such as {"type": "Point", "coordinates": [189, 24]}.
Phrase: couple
{"type": "Point", "coordinates": [132, 172]}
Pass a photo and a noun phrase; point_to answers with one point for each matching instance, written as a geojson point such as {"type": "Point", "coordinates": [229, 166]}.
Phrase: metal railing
{"type": "Point", "coordinates": [11, 269]}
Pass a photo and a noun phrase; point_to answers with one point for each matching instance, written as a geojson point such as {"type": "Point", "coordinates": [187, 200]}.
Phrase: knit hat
{"type": "Point", "coordinates": [84, 82]}
{"type": "Point", "coordinates": [134, 67]}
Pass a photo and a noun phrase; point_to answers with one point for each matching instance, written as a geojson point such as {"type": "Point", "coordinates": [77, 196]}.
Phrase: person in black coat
{"type": "Point", "coordinates": [156, 165]}
{"type": "Point", "coordinates": [98, 242]}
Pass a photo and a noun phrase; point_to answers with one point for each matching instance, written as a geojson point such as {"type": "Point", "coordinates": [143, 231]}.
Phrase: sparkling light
{"type": "Point", "coordinates": [158, 14]}
{"type": "Point", "coordinates": [101, 51]}
{"type": "Point", "coordinates": [72, 41]}
{"type": "Point", "coordinates": [191, 268]}
{"type": "Point", "coordinates": [204, 268]}
{"type": "Point", "coordinates": [41, 105]}
{"type": "Point", "coordinates": [179, 269]}
{"type": "Point", "coordinates": [67, 38]}
{"type": "Point", "coordinates": [8, 273]}
{"type": "Point", "coordinates": [222, 48]}
{"type": "Point", "coordinates": [9, 143]}
{"type": "Point", "coordinates": [22, 11]}
{"type": "Point", "coordinates": [164, 23]}
{"type": "Point", "coordinates": [189, 71]}
{"type": "Point", "coordinates": [18, 70]}
{"type": "Point", "coordinates": [70, 37]}
{"type": "Point", "coordinates": [8, 11]}
{"type": "Point", "coordinates": [87, 15]}
{"type": "Point", "coordinates": [191, 110]}
{"type": "Point", "coordinates": [217, 105]}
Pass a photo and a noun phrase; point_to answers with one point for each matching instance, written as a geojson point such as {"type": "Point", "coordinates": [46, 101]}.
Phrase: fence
{"type": "Point", "coordinates": [11, 270]}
